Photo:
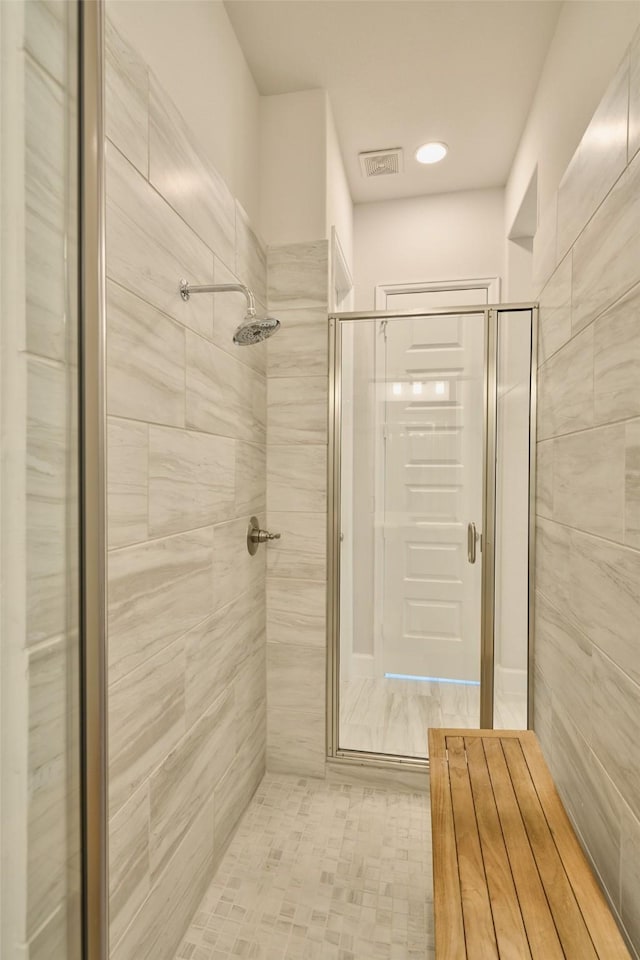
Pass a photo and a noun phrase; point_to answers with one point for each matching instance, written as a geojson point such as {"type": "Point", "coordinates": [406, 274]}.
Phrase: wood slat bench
{"type": "Point", "coordinates": [510, 879]}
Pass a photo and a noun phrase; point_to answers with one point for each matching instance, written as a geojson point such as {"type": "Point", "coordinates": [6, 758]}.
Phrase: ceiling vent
{"type": "Point", "coordinates": [381, 163]}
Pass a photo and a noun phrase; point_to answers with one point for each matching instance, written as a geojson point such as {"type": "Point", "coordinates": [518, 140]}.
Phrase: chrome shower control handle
{"type": "Point", "coordinates": [256, 536]}
{"type": "Point", "coordinates": [261, 536]}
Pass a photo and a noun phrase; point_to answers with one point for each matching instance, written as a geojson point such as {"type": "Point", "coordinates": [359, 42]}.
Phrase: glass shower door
{"type": "Point", "coordinates": [41, 886]}
{"type": "Point", "coordinates": [412, 470]}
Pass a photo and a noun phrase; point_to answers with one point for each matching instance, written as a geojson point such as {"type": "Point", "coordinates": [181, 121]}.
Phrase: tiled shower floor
{"type": "Point", "coordinates": [324, 871]}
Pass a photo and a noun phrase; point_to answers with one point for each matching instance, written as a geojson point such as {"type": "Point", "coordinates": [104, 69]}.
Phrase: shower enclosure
{"type": "Point", "coordinates": [431, 540]}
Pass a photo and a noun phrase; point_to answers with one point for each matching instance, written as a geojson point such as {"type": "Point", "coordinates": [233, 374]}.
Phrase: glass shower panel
{"type": "Point", "coordinates": [40, 871]}
{"type": "Point", "coordinates": [511, 611]}
{"type": "Point", "coordinates": [412, 442]}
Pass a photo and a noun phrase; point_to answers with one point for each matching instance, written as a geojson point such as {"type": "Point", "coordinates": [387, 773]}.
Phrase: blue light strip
{"type": "Point", "coordinates": [408, 676]}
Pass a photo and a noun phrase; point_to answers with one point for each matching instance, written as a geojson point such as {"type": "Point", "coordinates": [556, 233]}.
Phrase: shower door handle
{"type": "Point", "coordinates": [472, 538]}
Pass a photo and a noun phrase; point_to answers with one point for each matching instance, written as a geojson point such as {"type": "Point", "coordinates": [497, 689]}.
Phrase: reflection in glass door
{"type": "Point", "coordinates": [415, 524]}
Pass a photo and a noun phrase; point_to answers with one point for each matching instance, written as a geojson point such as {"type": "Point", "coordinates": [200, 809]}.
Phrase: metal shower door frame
{"type": "Point", "coordinates": [490, 314]}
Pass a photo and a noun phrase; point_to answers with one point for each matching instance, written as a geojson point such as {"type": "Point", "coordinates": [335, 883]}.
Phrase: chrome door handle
{"type": "Point", "coordinates": [472, 538]}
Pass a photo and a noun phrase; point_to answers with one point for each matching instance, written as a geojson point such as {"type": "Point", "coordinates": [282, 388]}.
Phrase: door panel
{"type": "Point", "coordinates": [433, 467]}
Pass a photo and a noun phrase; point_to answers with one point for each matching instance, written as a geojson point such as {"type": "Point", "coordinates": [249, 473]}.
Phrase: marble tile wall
{"type": "Point", "coordinates": [39, 765]}
{"type": "Point", "coordinates": [297, 394]}
{"type": "Point", "coordinates": [587, 645]}
{"type": "Point", "coordinates": [187, 414]}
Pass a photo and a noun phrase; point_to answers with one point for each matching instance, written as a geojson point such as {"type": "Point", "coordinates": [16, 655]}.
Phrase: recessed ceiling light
{"type": "Point", "coordinates": [431, 152]}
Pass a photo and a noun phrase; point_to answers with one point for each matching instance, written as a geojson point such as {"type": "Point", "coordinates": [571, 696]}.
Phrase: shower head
{"type": "Point", "coordinates": [253, 330]}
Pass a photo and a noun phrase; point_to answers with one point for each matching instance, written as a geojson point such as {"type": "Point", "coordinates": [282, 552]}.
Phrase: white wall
{"type": "Point", "coordinates": [191, 47]}
{"type": "Point", "coordinates": [293, 188]}
{"type": "Point", "coordinates": [339, 202]}
{"type": "Point", "coordinates": [443, 237]}
{"type": "Point", "coordinates": [588, 44]}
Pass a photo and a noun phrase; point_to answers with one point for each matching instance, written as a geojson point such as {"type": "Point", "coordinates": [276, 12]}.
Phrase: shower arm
{"type": "Point", "coordinates": [186, 289]}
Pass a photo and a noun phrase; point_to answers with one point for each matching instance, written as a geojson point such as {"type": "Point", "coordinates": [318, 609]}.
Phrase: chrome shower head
{"type": "Point", "coordinates": [254, 330]}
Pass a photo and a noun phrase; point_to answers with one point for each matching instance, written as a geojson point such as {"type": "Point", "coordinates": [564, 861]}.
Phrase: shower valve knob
{"type": "Point", "coordinates": [256, 536]}
{"type": "Point", "coordinates": [261, 536]}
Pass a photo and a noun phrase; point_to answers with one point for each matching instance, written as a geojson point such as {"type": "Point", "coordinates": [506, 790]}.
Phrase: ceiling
{"type": "Point", "coordinates": [401, 72]}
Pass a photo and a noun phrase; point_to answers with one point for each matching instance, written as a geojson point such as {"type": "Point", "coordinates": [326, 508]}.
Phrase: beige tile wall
{"type": "Point", "coordinates": [187, 417]}
{"type": "Point", "coordinates": [587, 645]}
{"type": "Point", "coordinates": [297, 390]}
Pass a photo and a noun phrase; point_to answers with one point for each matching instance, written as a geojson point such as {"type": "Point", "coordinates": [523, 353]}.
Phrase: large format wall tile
{"type": "Point", "coordinates": [146, 720]}
{"type": "Point", "coordinates": [145, 361]}
{"type": "Point", "coordinates": [150, 248]}
{"type": "Point", "coordinates": [127, 99]}
{"type": "Point", "coordinates": [553, 550]}
{"type": "Point", "coordinates": [597, 163]}
{"type": "Point", "coordinates": [296, 742]}
{"type": "Point", "coordinates": [187, 611]}
{"type": "Point", "coordinates": [565, 383]}
{"type": "Point", "coordinates": [45, 35]}
{"type": "Point", "coordinates": [185, 781]}
{"type": "Point", "coordinates": [157, 591]}
{"type": "Point", "coordinates": [617, 360]}
{"type": "Point", "coordinates": [52, 940]}
{"type": "Point", "coordinates": [630, 875]}
{"type": "Point", "coordinates": [542, 713]}
{"type": "Point", "coordinates": [127, 483]}
{"type": "Point", "coordinates": [301, 347]}
{"type": "Point", "coordinates": [46, 499]}
{"type": "Point", "coordinates": [218, 648]}
{"type": "Point", "coordinates": [587, 708]}
{"type": "Point", "coordinates": [297, 478]}
{"type": "Point", "coordinates": [301, 553]}
{"type": "Point", "coordinates": [616, 707]}
{"type": "Point", "coordinates": [632, 484]}
{"type": "Point", "coordinates": [250, 691]}
{"type": "Point", "coordinates": [588, 481]}
{"type": "Point", "coordinates": [235, 570]}
{"type": "Point", "coordinates": [129, 871]}
{"type": "Point", "coordinates": [297, 409]}
{"type": "Point", "coordinates": [238, 785]}
{"type": "Point", "coordinates": [606, 255]}
{"type": "Point", "coordinates": [634, 102]}
{"type": "Point", "coordinates": [555, 312]}
{"type": "Point", "coordinates": [604, 598]}
{"type": "Point", "coordinates": [223, 395]}
{"type": "Point", "coordinates": [563, 656]}
{"type": "Point", "coordinates": [160, 923]}
{"type": "Point", "coordinates": [47, 782]}
{"type": "Point", "coordinates": [251, 470]}
{"type": "Point", "coordinates": [296, 612]}
{"type": "Point", "coordinates": [296, 677]}
{"type": "Point", "coordinates": [299, 275]}
{"type": "Point", "coordinates": [190, 184]}
{"type": "Point", "coordinates": [191, 480]}
{"type": "Point", "coordinates": [46, 228]}
{"type": "Point", "coordinates": [577, 774]}
{"type": "Point", "coordinates": [544, 478]}
{"type": "Point", "coordinates": [251, 258]}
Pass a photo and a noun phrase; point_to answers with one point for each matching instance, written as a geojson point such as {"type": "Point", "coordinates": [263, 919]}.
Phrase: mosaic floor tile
{"type": "Point", "coordinates": [321, 871]}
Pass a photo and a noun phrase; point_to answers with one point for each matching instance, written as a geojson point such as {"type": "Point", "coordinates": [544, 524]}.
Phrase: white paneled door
{"type": "Point", "coordinates": [432, 427]}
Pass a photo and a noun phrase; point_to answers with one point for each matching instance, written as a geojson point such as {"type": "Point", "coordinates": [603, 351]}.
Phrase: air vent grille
{"type": "Point", "coordinates": [381, 163]}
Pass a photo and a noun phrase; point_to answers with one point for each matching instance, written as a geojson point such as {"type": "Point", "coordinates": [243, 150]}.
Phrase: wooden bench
{"type": "Point", "coordinates": [510, 878]}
